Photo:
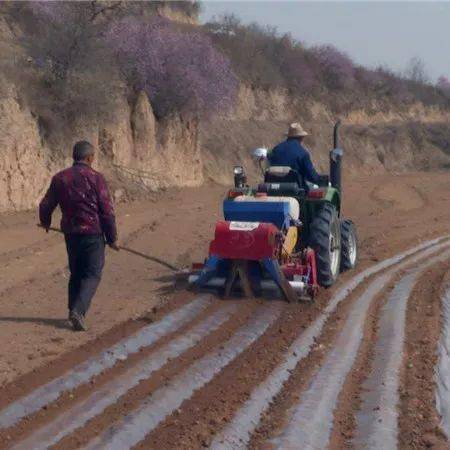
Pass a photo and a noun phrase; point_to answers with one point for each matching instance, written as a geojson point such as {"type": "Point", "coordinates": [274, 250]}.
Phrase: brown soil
{"type": "Point", "coordinates": [419, 420]}
{"type": "Point", "coordinates": [424, 355]}
{"type": "Point", "coordinates": [210, 408]}
{"type": "Point", "coordinates": [33, 308]}
{"type": "Point", "coordinates": [276, 418]}
{"type": "Point", "coordinates": [392, 213]}
{"type": "Point", "coordinates": [133, 397]}
{"type": "Point", "coordinates": [349, 398]}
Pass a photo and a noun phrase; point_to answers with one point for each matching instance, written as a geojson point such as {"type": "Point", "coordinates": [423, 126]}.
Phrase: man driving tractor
{"type": "Point", "coordinates": [292, 153]}
{"type": "Point", "coordinates": [282, 234]}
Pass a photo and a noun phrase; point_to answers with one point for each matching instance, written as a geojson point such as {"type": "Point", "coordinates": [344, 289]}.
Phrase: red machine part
{"type": "Point", "coordinates": [233, 193]}
{"type": "Point", "coordinates": [297, 268]}
{"type": "Point", "coordinates": [311, 262]}
{"type": "Point", "coordinates": [245, 240]}
{"type": "Point", "coordinates": [317, 193]}
{"type": "Point", "coordinates": [303, 266]}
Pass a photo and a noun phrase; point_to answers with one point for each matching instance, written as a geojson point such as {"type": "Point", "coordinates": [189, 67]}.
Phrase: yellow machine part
{"type": "Point", "coordinates": [290, 241]}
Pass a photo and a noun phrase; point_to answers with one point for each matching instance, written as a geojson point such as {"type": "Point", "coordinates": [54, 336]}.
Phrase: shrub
{"type": "Point", "coordinates": [337, 68]}
{"type": "Point", "coordinates": [188, 7]}
{"type": "Point", "coordinates": [266, 59]}
{"type": "Point", "coordinates": [298, 68]}
{"type": "Point", "coordinates": [179, 70]}
{"type": "Point", "coordinates": [443, 84]}
{"type": "Point", "coordinates": [382, 83]}
{"type": "Point", "coordinates": [66, 75]}
{"type": "Point", "coordinates": [71, 68]}
{"type": "Point", "coordinates": [252, 50]}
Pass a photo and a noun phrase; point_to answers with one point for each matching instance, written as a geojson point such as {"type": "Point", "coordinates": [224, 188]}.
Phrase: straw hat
{"type": "Point", "coordinates": [296, 130]}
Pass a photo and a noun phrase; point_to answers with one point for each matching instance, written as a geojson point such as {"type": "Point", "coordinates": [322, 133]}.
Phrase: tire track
{"type": "Point", "coordinates": [418, 418]}
{"type": "Point", "coordinates": [140, 421]}
{"type": "Point", "coordinates": [136, 425]}
{"type": "Point", "coordinates": [238, 432]}
{"type": "Point", "coordinates": [377, 421]}
{"type": "Point", "coordinates": [109, 393]}
{"type": "Point", "coordinates": [83, 372]}
{"type": "Point", "coordinates": [443, 367]}
{"type": "Point", "coordinates": [307, 430]}
{"type": "Point", "coordinates": [161, 378]}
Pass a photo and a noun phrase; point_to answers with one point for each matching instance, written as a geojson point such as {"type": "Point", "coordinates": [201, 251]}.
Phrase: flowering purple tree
{"type": "Point", "coordinates": [300, 74]}
{"type": "Point", "coordinates": [57, 12]}
{"type": "Point", "coordinates": [179, 70]}
{"type": "Point", "coordinates": [337, 68]}
{"type": "Point", "coordinates": [296, 67]}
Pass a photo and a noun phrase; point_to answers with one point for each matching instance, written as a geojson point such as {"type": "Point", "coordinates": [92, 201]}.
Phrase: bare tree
{"type": "Point", "coordinates": [416, 71]}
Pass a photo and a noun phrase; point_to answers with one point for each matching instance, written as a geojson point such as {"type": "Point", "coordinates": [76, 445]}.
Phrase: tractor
{"type": "Point", "coordinates": [285, 234]}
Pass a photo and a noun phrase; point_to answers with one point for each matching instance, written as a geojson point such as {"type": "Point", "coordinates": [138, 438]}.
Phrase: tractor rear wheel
{"type": "Point", "coordinates": [326, 242]}
{"type": "Point", "coordinates": [349, 245]}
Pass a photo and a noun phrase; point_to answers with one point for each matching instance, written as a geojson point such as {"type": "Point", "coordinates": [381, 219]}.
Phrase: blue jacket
{"type": "Point", "coordinates": [291, 153]}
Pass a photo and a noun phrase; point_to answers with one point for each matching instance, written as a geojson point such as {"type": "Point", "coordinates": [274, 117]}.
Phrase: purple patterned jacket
{"type": "Point", "coordinates": [84, 199]}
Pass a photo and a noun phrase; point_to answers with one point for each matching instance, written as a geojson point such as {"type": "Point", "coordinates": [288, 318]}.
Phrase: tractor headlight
{"type": "Point", "coordinates": [240, 179]}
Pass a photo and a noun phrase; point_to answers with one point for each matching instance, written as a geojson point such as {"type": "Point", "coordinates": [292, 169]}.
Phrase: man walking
{"type": "Point", "coordinates": [87, 221]}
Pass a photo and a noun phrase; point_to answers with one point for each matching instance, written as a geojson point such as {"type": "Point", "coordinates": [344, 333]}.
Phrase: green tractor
{"type": "Point", "coordinates": [281, 235]}
{"type": "Point", "coordinates": [321, 225]}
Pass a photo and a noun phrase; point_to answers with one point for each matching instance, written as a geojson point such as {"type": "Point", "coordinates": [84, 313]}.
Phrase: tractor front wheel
{"type": "Point", "coordinates": [326, 242]}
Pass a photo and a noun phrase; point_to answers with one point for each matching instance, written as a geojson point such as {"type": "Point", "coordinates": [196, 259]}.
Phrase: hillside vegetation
{"type": "Point", "coordinates": [79, 54]}
{"type": "Point", "coordinates": [266, 59]}
{"type": "Point", "coordinates": [146, 83]}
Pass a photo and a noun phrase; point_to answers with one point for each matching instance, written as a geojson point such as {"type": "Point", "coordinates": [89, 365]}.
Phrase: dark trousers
{"type": "Point", "coordinates": [86, 260]}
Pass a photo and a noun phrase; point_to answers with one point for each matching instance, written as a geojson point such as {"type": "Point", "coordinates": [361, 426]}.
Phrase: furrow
{"type": "Point", "coordinates": [83, 372]}
{"type": "Point", "coordinates": [377, 425]}
{"type": "Point", "coordinates": [443, 366]}
{"type": "Point", "coordinates": [310, 431]}
{"type": "Point", "coordinates": [237, 433]}
{"type": "Point", "coordinates": [109, 393]}
{"type": "Point", "coordinates": [153, 410]}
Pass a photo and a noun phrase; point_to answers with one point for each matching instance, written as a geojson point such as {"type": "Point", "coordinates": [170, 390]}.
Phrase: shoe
{"type": "Point", "coordinates": [77, 321]}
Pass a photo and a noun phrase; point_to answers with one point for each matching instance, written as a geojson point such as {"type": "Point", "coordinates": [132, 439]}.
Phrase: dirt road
{"type": "Point", "coordinates": [163, 368]}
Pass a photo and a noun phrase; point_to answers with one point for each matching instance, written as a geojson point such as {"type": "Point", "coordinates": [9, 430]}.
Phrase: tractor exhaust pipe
{"type": "Point", "coordinates": [336, 159]}
{"type": "Point", "coordinates": [336, 134]}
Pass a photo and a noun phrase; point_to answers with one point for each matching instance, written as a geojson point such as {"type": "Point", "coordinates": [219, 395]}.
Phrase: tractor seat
{"type": "Point", "coordinates": [282, 190]}
{"type": "Point", "coordinates": [294, 205]}
{"type": "Point", "coordinates": [278, 171]}
{"type": "Point", "coordinates": [283, 174]}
